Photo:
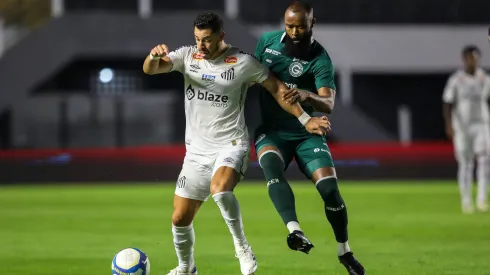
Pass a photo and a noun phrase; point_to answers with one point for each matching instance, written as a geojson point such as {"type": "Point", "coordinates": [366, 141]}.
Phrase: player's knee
{"type": "Point", "coordinates": [328, 188]}
{"type": "Point", "coordinates": [182, 218]}
{"type": "Point", "coordinates": [272, 164]}
{"type": "Point", "coordinates": [222, 185]}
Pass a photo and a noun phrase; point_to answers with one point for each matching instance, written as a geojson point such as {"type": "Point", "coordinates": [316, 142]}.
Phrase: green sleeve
{"type": "Point", "coordinates": [324, 74]}
{"type": "Point", "coordinates": [259, 49]}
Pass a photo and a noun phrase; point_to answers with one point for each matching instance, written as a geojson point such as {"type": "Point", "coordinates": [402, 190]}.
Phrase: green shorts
{"type": "Point", "coordinates": [311, 151]}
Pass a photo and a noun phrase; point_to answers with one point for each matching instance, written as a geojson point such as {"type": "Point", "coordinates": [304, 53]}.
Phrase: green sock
{"type": "Point", "coordinates": [335, 209]}
{"type": "Point", "coordinates": [280, 192]}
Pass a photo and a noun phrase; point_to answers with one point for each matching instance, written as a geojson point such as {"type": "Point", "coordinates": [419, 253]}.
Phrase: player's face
{"type": "Point", "coordinates": [207, 42]}
{"type": "Point", "coordinates": [470, 60]}
{"type": "Point", "coordinates": [298, 26]}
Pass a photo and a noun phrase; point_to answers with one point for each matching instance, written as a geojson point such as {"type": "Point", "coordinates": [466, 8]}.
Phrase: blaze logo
{"type": "Point", "coordinates": [231, 60]}
{"type": "Point", "coordinates": [216, 100]}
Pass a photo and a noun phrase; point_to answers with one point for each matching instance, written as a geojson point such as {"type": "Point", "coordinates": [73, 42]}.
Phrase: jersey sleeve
{"type": "Point", "coordinates": [449, 94]}
{"type": "Point", "coordinates": [254, 71]}
{"type": "Point", "coordinates": [259, 48]}
{"type": "Point", "coordinates": [178, 57]}
{"type": "Point", "coordinates": [486, 88]}
{"type": "Point", "coordinates": [324, 73]}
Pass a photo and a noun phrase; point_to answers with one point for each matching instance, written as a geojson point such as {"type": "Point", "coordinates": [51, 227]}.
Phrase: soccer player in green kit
{"type": "Point", "coordinates": [301, 63]}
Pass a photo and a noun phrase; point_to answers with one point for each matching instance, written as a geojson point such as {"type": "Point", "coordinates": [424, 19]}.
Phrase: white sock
{"type": "Point", "coordinates": [483, 174]}
{"type": "Point", "coordinates": [230, 210]}
{"type": "Point", "coordinates": [465, 180]}
{"type": "Point", "coordinates": [293, 226]}
{"type": "Point", "coordinates": [343, 248]}
{"type": "Point", "coordinates": [184, 245]}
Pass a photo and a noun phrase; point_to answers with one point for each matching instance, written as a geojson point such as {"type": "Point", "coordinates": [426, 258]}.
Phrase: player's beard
{"type": "Point", "coordinates": [300, 49]}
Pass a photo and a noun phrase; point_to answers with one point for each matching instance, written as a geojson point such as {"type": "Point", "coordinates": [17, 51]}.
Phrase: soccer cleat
{"type": "Point", "coordinates": [248, 263]}
{"type": "Point", "coordinates": [352, 265]}
{"type": "Point", "coordinates": [482, 207]}
{"type": "Point", "coordinates": [179, 271]}
{"type": "Point", "coordinates": [297, 241]}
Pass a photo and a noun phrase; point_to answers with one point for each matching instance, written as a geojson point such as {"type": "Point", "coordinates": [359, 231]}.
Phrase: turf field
{"type": "Point", "coordinates": [395, 228]}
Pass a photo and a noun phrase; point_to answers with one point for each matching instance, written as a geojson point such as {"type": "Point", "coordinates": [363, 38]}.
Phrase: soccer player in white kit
{"type": "Point", "coordinates": [217, 77]}
{"type": "Point", "coordinates": [466, 115]}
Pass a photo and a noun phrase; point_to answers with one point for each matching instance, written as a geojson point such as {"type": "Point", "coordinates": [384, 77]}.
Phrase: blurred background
{"type": "Point", "coordinates": [76, 106]}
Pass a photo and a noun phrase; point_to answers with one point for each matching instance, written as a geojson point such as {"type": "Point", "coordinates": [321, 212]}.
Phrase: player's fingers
{"type": "Point", "coordinates": [165, 49]}
{"type": "Point", "coordinates": [161, 50]}
{"type": "Point", "coordinates": [287, 94]}
{"type": "Point", "coordinates": [294, 99]}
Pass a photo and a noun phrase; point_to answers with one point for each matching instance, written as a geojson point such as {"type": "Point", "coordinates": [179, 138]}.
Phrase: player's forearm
{"type": "Point", "coordinates": [151, 66]}
{"type": "Point", "coordinates": [322, 104]}
{"type": "Point", "coordinates": [447, 110]}
{"type": "Point", "coordinates": [294, 109]}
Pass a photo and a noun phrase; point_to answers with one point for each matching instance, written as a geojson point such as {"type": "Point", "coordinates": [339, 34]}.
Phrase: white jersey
{"type": "Point", "coordinates": [215, 93]}
{"type": "Point", "coordinates": [469, 94]}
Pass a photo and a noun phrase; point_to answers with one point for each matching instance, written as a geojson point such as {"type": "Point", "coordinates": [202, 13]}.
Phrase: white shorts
{"type": "Point", "coordinates": [197, 171]}
{"type": "Point", "coordinates": [474, 141]}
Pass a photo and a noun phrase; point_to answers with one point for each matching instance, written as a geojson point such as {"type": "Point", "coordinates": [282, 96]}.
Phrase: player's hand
{"type": "Point", "coordinates": [160, 50]}
{"type": "Point", "coordinates": [294, 95]}
{"type": "Point", "coordinates": [450, 132]}
{"type": "Point", "coordinates": [318, 125]}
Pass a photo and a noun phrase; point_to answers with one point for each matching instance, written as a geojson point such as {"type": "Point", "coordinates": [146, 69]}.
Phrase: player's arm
{"type": "Point", "coordinates": [323, 72]}
{"type": "Point", "coordinates": [323, 101]}
{"type": "Point", "coordinates": [315, 125]}
{"type": "Point", "coordinates": [448, 98]}
{"type": "Point", "coordinates": [161, 60]}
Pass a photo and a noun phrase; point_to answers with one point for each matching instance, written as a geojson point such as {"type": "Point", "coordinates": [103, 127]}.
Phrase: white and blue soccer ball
{"type": "Point", "coordinates": [131, 261]}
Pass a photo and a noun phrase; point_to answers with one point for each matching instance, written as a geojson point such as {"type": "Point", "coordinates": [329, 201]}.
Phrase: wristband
{"type": "Point", "coordinates": [304, 118]}
{"type": "Point", "coordinates": [154, 57]}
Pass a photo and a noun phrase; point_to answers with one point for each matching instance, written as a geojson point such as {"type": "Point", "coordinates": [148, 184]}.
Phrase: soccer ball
{"type": "Point", "coordinates": [131, 261]}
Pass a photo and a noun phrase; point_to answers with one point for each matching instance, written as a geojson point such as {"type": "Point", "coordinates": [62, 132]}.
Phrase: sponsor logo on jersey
{"type": "Point", "coordinates": [291, 85]}
{"type": "Point", "coordinates": [216, 100]}
{"type": "Point", "coordinates": [295, 69]}
{"type": "Point", "coordinates": [228, 160]}
{"type": "Point", "coordinates": [208, 77]}
{"type": "Point", "coordinates": [230, 60]}
{"type": "Point", "coordinates": [197, 56]}
{"type": "Point", "coordinates": [195, 68]}
{"type": "Point", "coordinates": [228, 74]}
{"type": "Point", "coordinates": [273, 52]}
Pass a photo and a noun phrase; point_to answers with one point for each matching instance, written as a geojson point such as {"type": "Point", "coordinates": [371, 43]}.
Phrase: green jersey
{"type": "Point", "coordinates": [308, 75]}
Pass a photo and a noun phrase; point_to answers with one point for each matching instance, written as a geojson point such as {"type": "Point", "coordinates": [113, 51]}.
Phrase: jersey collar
{"type": "Point", "coordinates": [284, 35]}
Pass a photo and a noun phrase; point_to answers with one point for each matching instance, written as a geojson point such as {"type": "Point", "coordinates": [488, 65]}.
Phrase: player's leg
{"type": "Point", "coordinates": [274, 161]}
{"type": "Point", "coordinates": [191, 190]}
{"type": "Point", "coordinates": [230, 166]}
{"type": "Point", "coordinates": [463, 148]}
{"type": "Point", "coordinates": [315, 160]}
{"type": "Point", "coordinates": [483, 169]}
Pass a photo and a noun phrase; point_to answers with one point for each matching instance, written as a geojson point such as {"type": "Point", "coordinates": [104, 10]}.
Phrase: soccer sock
{"type": "Point", "coordinates": [184, 245]}
{"type": "Point", "coordinates": [230, 210]}
{"type": "Point", "coordinates": [335, 210]}
{"type": "Point", "coordinates": [280, 192]}
{"type": "Point", "coordinates": [483, 174]}
{"type": "Point", "coordinates": [465, 180]}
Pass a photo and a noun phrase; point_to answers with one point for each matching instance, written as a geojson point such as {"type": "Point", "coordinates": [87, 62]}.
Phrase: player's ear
{"type": "Point", "coordinates": [313, 22]}
{"type": "Point", "coordinates": [222, 35]}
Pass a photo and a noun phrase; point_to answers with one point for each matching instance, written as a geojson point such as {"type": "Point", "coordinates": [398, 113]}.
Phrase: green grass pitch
{"type": "Point", "coordinates": [395, 228]}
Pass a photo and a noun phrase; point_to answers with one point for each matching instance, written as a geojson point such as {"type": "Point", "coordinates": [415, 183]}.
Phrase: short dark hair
{"type": "Point", "coordinates": [209, 20]}
{"type": "Point", "coordinates": [297, 6]}
{"type": "Point", "coordinates": [470, 49]}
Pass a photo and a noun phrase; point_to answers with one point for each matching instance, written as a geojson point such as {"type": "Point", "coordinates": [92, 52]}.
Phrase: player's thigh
{"type": "Point", "coordinates": [464, 144]}
{"type": "Point", "coordinates": [269, 142]}
{"type": "Point", "coordinates": [229, 168]}
{"type": "Point", "coordinates": [314, 158]}
{"type": "Point", "coordinates": [195, 178]}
